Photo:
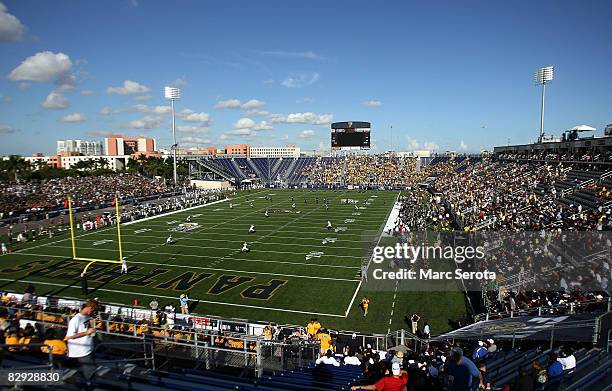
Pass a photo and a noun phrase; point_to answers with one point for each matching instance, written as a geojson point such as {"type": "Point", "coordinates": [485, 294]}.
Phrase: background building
{"type": "Point", "coordinates": [90, 148]}
{"type": "Point", "coordinates": [288, 151]}
{"type": "Point", "coordinates": [118, 145]}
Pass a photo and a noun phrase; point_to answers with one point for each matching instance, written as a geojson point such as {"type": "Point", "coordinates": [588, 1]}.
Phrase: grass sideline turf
{"type": "Point", "coordinates": [276, 281]}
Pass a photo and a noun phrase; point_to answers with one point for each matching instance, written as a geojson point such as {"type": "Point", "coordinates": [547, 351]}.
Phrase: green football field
{"type": "Point", "coordinates": [296, 269]}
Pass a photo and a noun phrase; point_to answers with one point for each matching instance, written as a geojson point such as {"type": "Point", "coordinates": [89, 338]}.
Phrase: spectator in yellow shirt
{"type": "Point", "coordinates": [59, 347]}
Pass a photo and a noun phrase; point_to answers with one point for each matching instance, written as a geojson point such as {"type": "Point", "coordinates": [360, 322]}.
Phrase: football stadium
{"type": "Point", "coordinates": [166, 252]}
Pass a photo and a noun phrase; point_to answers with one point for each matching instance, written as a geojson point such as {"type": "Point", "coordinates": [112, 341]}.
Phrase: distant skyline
{"type": "Point", "coordinates": [446, 76]}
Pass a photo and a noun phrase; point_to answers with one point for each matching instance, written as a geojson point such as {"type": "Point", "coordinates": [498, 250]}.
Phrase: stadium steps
{"type": "Point", "coordinates": [213, 166]}
{"type": "Point", "coordinates": [260, 167]}
{"type": "Point", "coordinates": [600, 374]}
{"type": "Point", "coordinates": [322, 377]}
{"type": "Point", "coordinates": [511, 363]}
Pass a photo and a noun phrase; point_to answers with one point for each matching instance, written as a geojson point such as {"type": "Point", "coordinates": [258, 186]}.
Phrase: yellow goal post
{"type": "Point", "coordinates": [91, 261]}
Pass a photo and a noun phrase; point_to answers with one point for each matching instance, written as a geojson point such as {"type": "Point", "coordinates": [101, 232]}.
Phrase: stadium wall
{"type": "Point", "coordinates": [211, 185]}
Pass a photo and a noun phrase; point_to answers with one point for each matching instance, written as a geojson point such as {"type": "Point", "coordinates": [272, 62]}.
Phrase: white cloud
{"type": "Point", "coordinates": [24, 85]}
{"type": "Point", "coordinates": [188, 115]}
{"type": "Point", "coordinates": [151, 109]}
{"type": "Point", "coordinates": [303, 118]}
{"type": "Point", "coordinates": [66, 81]}
{"type": "Point", "coordinates": [194, 140]}
{"type": "Point", "coordinates": [463, 145]}
{"type": "Point", "coordinates": [310, 55]}
{"type": "Point", "coordinates": [87, 92]}
{"type": "Point", "coordinates": [108, 111]}
{"type": "Point", "coordinates": [247, 123]}
{"type": "Point", "coordinates": [180, 82]}
{"type": "Point", "coordinates": [143, 97]}
{"type": "Point", "coordinates": [55, 100]}
{"type": "Point", "coordinates": [6, 129]}
{"type": "Point", "coordinates": [146, 123]}
{"type": "Point", "coordinates": [427, 145]}
{"type": "Point", "coordinates": [413, 144]}
{"type": "Point", "coordinates": [244, 123]}
{"type": "Point", "coordinates": [11, 29]}
{"type": "Point", "coordinates": [74, 117]}
{"type": "Point", "coordinates": [192, 129]}
{"type": "Point", "coordinates": [258, 112]}
{"type": "Point", "coordinates": [228, 104]}
{"type": "Point", "coordinates": [263, 125]}
{"type": "Point", "coordinates": [129, 87]}
{"type": "Point", "coordinates": [431, 146]}
{"type": "Point", "coordinates": [43, 66]}
{"type": "Point", "coordinates": [298, 80]}
{"type": "Point", "coordinates": [251, 104]}
{"type": "Point", "coordinates": [240, 132]}
{"type": "Point", "coordinates": [246, 127]}
{"type": "Point", "coordinates": [372, 103]}
{"type": "Point", "coordinates": [307, 134]}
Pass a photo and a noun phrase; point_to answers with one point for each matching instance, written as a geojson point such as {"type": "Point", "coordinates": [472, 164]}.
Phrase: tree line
{"type": "Point", "coordinates": [16, 169]}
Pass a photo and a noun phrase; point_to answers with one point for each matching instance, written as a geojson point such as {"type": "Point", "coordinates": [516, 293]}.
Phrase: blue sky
{"type": "Point", "coordinates": [444, 75]}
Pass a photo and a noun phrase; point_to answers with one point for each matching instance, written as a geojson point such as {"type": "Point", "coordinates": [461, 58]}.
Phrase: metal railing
{"type": "Point", "coordinates": [566, 308]}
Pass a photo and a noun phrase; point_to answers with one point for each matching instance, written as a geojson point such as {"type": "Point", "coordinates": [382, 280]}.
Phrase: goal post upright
{"type": "Point", "coordinates": [91, 261]}
{"type": "Point", "coordinates": [71, 227]}
{"type": "Point", "coordinates": [118, 228]}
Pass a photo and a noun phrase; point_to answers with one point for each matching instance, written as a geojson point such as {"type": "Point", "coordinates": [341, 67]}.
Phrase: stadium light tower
{"type": "Point", "coordinates": [541, 77]}
{"type": "Point", "coordinates": [173, 94]}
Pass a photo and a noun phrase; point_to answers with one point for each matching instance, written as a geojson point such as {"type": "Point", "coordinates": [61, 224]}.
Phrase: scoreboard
{"type": "Point", "coordinates": [351, 134]}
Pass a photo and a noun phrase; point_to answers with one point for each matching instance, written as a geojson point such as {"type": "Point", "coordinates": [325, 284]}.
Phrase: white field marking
{"type": "Point", "coordinates": [271, 233]}
{"type": "Point", "coordinates": [329, 240]}
{"type": "Point", "coordinates": [244, 271]}
{"type": "Point", "coordinates": [283, 210]}
{"type": "Point", "coordinates": [214, 257]}
{"type": "Point", "coordinates": [272, 216]}
{"type": "Point", "coordinates": [175, 211]}
{"type": "Point", "coordinates": [150, 251]}
{"type": "Point", "coordinates": [393, 306]}
{"type": "Point", "coordinates": [234, 236]}
{"type": "Point", "coordinates": [230, 270]}
{"type": "Point", "coordinates": [101, 231]}
{"type": "Point", "coordinates": [176, 245]}
{"type": "Point", "coordinates": [348, 309]}
{"type": "Point", "coordinates": [174, 298]}
{"type": "Point", "coordinates": [232, 231]}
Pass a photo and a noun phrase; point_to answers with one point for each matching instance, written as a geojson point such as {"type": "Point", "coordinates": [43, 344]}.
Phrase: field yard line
{"type": "Point", "coordinates": [281, 227]}
{"type": "Point", "coordinates": [244, 271]}
{"type": "Point", "coordinates": [217, 240]}
{"type": "Point", "coordinates": [174, 298]}
{"type": "Point", "coordinates": [176, 245]}
{"type": "Point", "coordinates": [236, 208]}
{"type": "Point", "coordinates": [234, 235]}
{"type": "Point", "coordinates": [174, 254]}
{"type": "Point", "coordinates": [174, 212]}
{"type": "Point", "coordinates": [348, 309]}
{"type": "Point", "coordinates": [202, 228]}
{"type": "Point", "coordinates": [208, 256]}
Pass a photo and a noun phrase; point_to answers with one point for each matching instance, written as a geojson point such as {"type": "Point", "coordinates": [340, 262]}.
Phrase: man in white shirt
{"type": "Point", "coordinates": [328, 359]}
{"type": "Point", "coordinates": [80, 338]}
{"type": "Point", "coordinates": [567, 362]}
{"type": "Point", "coordinates": [351, 359]}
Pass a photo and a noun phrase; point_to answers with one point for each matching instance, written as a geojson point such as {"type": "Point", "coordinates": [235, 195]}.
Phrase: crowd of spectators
{"type": "Point", "coordinates": [362, 170]}
{"type": "Point", "coordinates": [50, 195]}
